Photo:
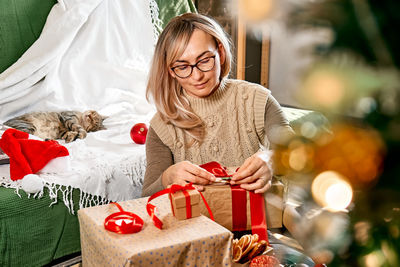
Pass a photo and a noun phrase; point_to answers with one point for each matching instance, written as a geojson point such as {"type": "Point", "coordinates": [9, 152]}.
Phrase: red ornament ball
{"type": "Point", "coordinates": [265, 261]}
{"type": "Point", "coordinates": [139, 133]}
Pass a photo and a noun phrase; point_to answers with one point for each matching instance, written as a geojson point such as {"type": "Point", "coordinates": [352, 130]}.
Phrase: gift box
{"type": "Point", "coordinates": [198, 241]}
{"type": "Point", "coordinates": [182, 201]}
{"type": "Point", "coordinates": [219, 198]}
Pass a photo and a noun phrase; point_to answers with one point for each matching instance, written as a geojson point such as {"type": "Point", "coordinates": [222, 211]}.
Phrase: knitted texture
{"type": "Point", "coordinates": [234, 119]}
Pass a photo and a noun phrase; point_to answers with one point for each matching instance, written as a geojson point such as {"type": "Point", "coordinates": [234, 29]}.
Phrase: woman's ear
{"type": "Point", "coordinates": [171, 72]}
{"type": "Point", "coordinates": [221, 52]}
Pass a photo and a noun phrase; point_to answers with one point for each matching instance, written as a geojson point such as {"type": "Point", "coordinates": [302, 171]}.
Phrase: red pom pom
{"type": "Point", "coordinates": [264, 260]}
{"type": "Point", "coordinates": [138, 133]}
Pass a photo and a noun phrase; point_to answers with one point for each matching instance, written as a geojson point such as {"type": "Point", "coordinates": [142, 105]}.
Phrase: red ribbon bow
{"type": "Point", "coordinates": [174, 188]}
{"type": "Point", "coordinates": [128, 222]}
{"type": "Point", "coordinates": [215, 168]}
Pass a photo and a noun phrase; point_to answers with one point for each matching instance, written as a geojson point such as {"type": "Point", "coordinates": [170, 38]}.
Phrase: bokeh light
{"type": "Point", "coordinates": [325, 88]}
{"type": "Point", "coordinates": [332, 191]}
{"type": "Point", "coordinates": [256, 10]}
{"type": "Point", "coordinates": [355, 152]}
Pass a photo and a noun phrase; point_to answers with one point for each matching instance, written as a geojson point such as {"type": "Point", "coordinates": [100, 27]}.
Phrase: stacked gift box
{"type": "Point", "coordinates": [182, 236]}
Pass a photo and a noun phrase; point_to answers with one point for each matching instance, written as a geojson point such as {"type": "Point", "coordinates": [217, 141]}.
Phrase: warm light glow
{"type": "Point", "coordinates": [256, 10]}
{"type": "Point", "coordinates": [325, 88]}
{"type": "Point", "coordinates": [354, 152]}
{"type": "Point", "coordinates": [338, 196]}
{"type": "Point", "coordinates": [332, 191]}
{"type": "Point", "coordinates": [374, 259]}
{"type": "Point", "coordinates": [298, 158]}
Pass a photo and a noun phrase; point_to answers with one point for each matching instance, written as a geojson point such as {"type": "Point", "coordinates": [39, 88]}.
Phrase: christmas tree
{"type": "Point", "coordinates": [351, 197]}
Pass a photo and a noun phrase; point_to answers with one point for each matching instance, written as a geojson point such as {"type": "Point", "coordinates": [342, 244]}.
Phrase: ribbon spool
{"type": "Point", "coordinates": [123, 222]}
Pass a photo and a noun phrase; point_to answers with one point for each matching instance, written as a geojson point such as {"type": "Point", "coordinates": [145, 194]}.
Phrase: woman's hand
{"type": "Point", "coordinates": [183, 172]}
{"type": "Point", "coordinates": [255, 173]}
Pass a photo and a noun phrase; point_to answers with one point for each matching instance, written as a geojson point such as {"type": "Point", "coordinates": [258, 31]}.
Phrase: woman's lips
{"type": "Point", "coordinates": [200, 85]}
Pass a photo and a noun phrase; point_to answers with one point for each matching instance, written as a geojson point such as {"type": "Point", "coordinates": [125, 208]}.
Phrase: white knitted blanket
{"type": "Point", "coordinates": [91, 54]}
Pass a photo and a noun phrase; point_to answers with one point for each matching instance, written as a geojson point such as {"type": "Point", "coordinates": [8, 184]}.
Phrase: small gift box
{"type": "Point", "coordinates": [185, 203]}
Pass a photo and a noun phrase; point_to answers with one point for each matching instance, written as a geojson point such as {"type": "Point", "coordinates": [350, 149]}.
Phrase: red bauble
{"type": "Point", "coordinates": [264, 260]}
{"type": "Point", "coordinates": [138, 133]}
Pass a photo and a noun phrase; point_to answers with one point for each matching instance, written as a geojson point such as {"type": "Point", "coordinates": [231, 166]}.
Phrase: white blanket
{"type": "Point", "coordinates": [92, 54]}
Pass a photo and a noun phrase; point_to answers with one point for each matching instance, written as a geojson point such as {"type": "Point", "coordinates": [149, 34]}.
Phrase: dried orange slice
{"type": "Point", "coordinates": [244, 241]}
{"type": "Point", "coordinates": [250, 246]}
{"type": "Point", "coordinates": [237, 253]}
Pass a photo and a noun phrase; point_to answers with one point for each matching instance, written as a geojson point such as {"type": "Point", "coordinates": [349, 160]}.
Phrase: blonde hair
{"type": "Point", "coordinates": [165, 90]}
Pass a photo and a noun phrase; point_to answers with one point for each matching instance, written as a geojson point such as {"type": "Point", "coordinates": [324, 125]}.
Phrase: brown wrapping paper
{"type": "Point", "coordinates": [178, 201]}
{"type": "Point", "coordinates": [219, 198]}
{"type": "Point", "coordinates": [197, 241]}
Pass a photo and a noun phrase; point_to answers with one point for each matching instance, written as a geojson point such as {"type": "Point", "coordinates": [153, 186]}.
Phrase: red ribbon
{"type": "Point", "coordinates": [257, 212]}
{"type": "Point", "coordinates": [215, 168]}
{"type": "Point", "coordinates": [134, 225]}
{"type": "Point", "coordinates": [239, 204]}
{"type": "Point", "coordinates": [239, 208]}
{"type": "Point", "coordinates": [258, 219]}
{"type": "Point", "coordinates": [151, 209]}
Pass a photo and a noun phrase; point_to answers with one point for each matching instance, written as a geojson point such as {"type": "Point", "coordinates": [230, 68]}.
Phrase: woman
{"type": "Point", "coordinates": [203, 116]}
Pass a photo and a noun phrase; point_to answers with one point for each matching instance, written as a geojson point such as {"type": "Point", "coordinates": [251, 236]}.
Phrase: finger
{"type": "Point", "coordinates": [264, 188]}
{"type": "Point", "coordinates": [248, 169]}
{"type": "Point", "coordinates": [200, 172]}
{"type": "Point", "coordinates": [196, 179]}
{"type": "Point", "coordinates": [181, 182]}
{"type": "Point", "coordinates": [238, 174]}
{"type": "Point", "coordinates": [260, 186]}
{"type": "Point", "coordinates": [252, 178]}
{"type": "Point", "coordinates": [253, 186]}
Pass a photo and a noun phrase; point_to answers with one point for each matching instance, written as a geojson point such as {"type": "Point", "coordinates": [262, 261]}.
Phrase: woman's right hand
{"type": "Point", "coordinates": [186, 172]}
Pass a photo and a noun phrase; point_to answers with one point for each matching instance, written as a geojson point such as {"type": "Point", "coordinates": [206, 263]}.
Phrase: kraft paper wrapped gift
{"type": "Point", "coordinates": [196, 241]}
{"type": "Point", "coordinates": [178, 202]}
{"type": "Point", "coordinates": [219, 198]}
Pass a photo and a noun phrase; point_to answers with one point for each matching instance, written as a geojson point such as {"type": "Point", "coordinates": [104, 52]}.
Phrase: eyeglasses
{"type": "Point", "coordinates": [204, 65]}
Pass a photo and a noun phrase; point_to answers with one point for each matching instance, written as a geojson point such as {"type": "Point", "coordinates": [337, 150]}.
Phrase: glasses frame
{"type": "Point", "coordinates": [193, 66]}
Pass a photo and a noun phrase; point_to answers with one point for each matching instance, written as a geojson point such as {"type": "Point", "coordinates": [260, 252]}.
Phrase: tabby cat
{"type": "Point", "coordinates": [66, 125]}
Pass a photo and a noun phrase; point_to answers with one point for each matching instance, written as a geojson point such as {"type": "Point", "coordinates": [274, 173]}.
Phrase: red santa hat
{"type": "Point", "coordinates": [28, 156]}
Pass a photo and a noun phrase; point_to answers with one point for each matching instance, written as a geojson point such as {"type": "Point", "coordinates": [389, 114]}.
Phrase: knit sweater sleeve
{"type": "Point", "coordinates": [159, 157]}
{"type": "Point", "coordinates": [277, 127]}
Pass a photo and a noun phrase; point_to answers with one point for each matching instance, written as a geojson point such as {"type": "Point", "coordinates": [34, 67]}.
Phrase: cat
{"type": "Point", "coordinates": [66, 125]}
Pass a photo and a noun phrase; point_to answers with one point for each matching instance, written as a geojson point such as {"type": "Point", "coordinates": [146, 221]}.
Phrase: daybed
{"type": "Point", "coordinates": [37, 229]}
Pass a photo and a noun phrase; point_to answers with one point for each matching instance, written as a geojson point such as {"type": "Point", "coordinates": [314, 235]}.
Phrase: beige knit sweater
{"type": "Point", "coordinates": [236, 116]}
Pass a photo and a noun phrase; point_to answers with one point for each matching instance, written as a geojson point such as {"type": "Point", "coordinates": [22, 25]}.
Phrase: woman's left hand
{"type": "Point", "coordinates": [255, 173]}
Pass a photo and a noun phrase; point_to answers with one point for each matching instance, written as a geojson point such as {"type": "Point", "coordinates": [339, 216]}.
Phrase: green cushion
{"type": "Point", "coordinates": [33, 233]}
{"type": "Point", "coordinates": [21, 22]}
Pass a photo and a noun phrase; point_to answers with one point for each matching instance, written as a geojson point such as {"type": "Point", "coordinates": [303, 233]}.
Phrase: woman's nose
{"type": "Point", "coordinates": [197, 74]}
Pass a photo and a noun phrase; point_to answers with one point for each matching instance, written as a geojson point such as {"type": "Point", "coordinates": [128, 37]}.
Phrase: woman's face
{"type": "Point", "coordinates": [200, 50]}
